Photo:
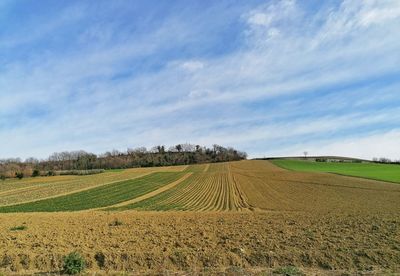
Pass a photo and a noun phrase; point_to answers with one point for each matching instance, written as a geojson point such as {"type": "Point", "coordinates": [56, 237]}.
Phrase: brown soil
{"type": "Point", "coordinates": [189, 241]}
{"type": "Point", "coordinates": [322, 223]}
{"type": "Point", "coordinates": [269, 187]}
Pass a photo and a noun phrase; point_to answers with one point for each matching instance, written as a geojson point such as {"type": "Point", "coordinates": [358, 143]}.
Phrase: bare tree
{"type": "Point", "coordinates": [181, 154]}
{"type": "Point", "coordinates": [305, 154]}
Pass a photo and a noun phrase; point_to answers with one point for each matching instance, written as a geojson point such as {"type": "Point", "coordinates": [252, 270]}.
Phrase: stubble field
{"type": "Point", "coordinates": [238, 217]}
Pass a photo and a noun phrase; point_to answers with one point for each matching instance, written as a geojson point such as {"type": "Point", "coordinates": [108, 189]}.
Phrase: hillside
{"type": "Point", "coordinates": [242, 185]}
{"type": "Point", "coordinates": [257, 216]}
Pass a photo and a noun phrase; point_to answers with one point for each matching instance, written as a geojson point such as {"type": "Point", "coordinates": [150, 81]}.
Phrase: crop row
{"type": "Point", "coordinates": [36, 188]}
{"type": "Point", "coordinates": [59, 185]}
{"type": "Point", "coordinates": [203, 191]}
{"type": "Point", "coordinates": [98, 197]}
{"type": "Point", "coordinates": [196, 168]}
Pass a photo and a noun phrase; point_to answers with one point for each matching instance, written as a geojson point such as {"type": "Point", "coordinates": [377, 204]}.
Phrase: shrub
{"type": "Point", "coordinates": [80, 172]}
{"type": "Point", "coordinates": [100, 259]}
{"type": "Point", "coordinates": [288, 271]}
{"type": "Point", "coordinates": [35, 173]}
{"type": "Point", "coordinates": [74, 263]}
{"type": "Point", "coordinates": [19, 228]}
{"type": "Point", "coordinates": [19, 175]}
{"type": "Point", "coordinates": [3, 177]}
{"type": "Point", "coordinates": [51, 173]}
{"type": "Point", "coordinates": [116, 222]}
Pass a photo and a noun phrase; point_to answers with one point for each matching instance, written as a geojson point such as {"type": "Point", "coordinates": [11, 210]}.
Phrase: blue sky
{"type": "Point", "coordinates": [271, 78]}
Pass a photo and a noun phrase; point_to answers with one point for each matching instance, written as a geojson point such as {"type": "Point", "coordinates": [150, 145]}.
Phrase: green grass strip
{"type": "Point", "coordinates": [103, 196]}
{"type": "Point", "coordinates": [384, 172]}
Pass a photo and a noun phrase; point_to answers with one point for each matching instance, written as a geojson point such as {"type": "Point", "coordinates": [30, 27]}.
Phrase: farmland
{"type": "Point", "coordinates": [234, 186]}
{"type": "Point", "coordinates": [29, 189]}
{"type": "Point", "coordinates": [245, 216]}
{"type": "Point", "coordinates": [213, 190]}
{"type": "Point", "coordinates": [385, 172]}
{"type": "Point", "coordinates": [102, 196]}
{"type": "Point", "coordinates": [193, 242]}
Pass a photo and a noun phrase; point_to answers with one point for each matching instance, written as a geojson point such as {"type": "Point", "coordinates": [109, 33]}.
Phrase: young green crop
{"type": "Point", "coordinates": [98, 197]}
{"type": "Point", "coordinates": [156, 203]}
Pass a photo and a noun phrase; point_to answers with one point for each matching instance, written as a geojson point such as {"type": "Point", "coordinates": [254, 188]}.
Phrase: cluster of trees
{"type": "Point", "coordinates": [181, 154]}
{"type": "Point", "coordinates": [385, 160]}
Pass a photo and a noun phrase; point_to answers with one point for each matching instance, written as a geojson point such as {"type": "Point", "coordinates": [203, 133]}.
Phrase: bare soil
{"type": "Point", "coordinates": [318, 243]}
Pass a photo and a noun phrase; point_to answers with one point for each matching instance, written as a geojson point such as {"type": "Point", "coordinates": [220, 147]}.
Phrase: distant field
{"type": "Point", "coordinates": [102, 196]}
{"type": "Point", "coordinates": [29, 189]}
{"type": "Point", "coordinates": [384, 172]}
{"type": "Point", "coordinates": [13, 191]}
{"type": "Point", "coordinates": [233, 186]}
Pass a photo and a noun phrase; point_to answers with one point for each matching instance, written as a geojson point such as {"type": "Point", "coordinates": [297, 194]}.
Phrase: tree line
{"type": "Point", "coordinates": [385, 160]}
{"type": "Point", "coordinates": [72, 161]}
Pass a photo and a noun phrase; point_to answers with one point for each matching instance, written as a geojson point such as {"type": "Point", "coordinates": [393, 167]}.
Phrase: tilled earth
{"type": "Point", "coordinates": [257, 242]}
{"type": "Point", "coordinates": [322, 224]}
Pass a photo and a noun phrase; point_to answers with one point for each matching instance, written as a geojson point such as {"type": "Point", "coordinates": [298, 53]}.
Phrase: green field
{"type": "Point", "coordinates": [384, 172]}
{"type": "Point", "coordinates": [155, 203]}
{"type": "Point", "coordinates": [102, 196]}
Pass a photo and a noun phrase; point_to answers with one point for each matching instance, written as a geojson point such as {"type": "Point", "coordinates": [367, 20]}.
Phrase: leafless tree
{"type": "Point", "coordinates": [181, 154]}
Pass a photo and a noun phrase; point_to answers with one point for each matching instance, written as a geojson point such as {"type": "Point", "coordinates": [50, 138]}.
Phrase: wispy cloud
{"type": "Point", "coordinates": [270, 77]}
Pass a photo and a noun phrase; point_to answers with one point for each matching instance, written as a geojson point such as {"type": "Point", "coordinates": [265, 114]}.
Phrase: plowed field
{"type": "Point", "coordinates": [201, 192]}
{"type": "Point", "coordinates": [251, 185]}
{"type": "Point", "coordinates": [240, 218]}
{"type": "Point", "coordinates": [269, 187]}
{"type": "Point", "coordinates": [162, 243]}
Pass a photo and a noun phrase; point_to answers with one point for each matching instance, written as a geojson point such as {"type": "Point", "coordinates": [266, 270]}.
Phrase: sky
{"type": "Point", "coordinates": [272, 78]}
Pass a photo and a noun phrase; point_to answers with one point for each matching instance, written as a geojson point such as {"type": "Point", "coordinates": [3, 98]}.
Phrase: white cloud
{"type": "Point", "coordinates": [260, 19]}
{"type": "Point", "coordinates": [201, 94]}
{"type": "Point", "coordinates": [288, 60]}
{"type": "Point", "coordinates": [272, 13]}
{"type": "Point", "coordinates": [382, 144]}
{"type": "Point", "coordinates": [192, 65]}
